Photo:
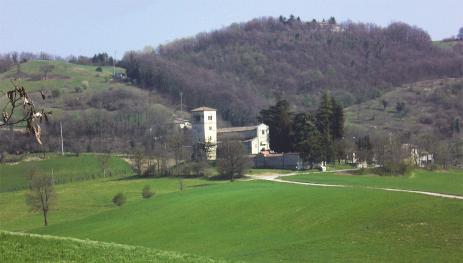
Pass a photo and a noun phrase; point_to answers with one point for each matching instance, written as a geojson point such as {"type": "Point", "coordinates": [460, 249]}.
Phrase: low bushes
{"type": "Point", "coordinates": [119, 199]}
{"type": "Point", "coordinates": [146, 192]}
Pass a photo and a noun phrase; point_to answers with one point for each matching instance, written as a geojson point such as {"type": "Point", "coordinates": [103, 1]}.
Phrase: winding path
{"type": "Point", "coordinates": [276, 178]}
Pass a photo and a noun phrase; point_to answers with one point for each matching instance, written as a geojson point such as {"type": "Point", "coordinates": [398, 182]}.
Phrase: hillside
{"type": "Point", "coordinates": [65, 169]}
{"type": "Point", "coordinates": [20, 247]}
{"type": "Point", "coordinates": [262, 221]}
{"type": "Point", "coordinates": [250, 221]}
{"type": "Point", "coordinates": [97, 113]}
{"type": "Point", "coordinates": [421, 108]}
{"type": "Point", "coordinates": [244, 67]}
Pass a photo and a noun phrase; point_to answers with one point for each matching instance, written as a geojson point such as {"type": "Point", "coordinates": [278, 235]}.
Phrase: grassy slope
{"type": "Point", "coordinates": [64, 76]}
{"type": "Point", "coordinates": [270, 222]}
{"type": "Point", "coordinates": [16, 247]}
{"type": "Point", "coordinates": [65, 169]}
{"type": "Point", "coordinates": [370, 115]}
{"type": "Point", "coordinates": [81, 199]}
{"type": "Point", "coordinates": [448, 45]}
{"type": "Point", "coordinates": [450, 182]}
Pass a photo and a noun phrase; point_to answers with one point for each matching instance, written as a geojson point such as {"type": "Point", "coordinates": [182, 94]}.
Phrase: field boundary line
{"type": "Point", "coordinates": [277, 178]}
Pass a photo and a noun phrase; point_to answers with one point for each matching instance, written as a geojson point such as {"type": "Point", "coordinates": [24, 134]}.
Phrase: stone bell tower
{"type": "Point", "coordinates": [204, 129]}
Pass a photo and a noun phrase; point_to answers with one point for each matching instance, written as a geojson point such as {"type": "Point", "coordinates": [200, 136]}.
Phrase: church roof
{"type": "Point", "coordinates": [236, 129]}
{"type": "Point", "coordinates": [203, 108]}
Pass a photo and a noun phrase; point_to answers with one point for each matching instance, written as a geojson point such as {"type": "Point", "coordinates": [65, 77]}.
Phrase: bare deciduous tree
{"type": "Point", "coordinates": [20, 108]}
{"type": "Point", "coordinates": [45, 70]}
{"type": "Point", "coordinates": [139, 159]}
{"type": "Point", "coordinates": [233, 161]}
{"type": "Point", "coordinates": [41, 195]}
{"type": "Point", "coordinates": [104, 161]}
{"type": "Point", "coordinates": [176, 144]}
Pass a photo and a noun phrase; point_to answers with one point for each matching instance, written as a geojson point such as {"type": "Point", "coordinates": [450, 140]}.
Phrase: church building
{"type": "Point", "coordinates": [204, 130]}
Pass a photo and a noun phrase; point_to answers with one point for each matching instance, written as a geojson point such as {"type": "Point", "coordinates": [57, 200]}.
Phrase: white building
{"type": "Point", "coordinates": [255, 138]}
{"type": "Point", "coordinates": [204, 129]}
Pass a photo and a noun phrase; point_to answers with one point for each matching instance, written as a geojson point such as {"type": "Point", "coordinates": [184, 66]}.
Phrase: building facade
{"type": "Point", "coordinates": [204, 129]}
{"type": "Point", "coordinates": [254, 138]}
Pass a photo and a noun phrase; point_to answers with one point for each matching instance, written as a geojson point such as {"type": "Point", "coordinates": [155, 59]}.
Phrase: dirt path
{"type": "Point", "coordinates": [276, 178]}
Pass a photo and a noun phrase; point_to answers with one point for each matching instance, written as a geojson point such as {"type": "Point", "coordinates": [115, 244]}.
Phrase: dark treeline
{"type": "Point", "coordinates": [318, 136]}
{"type": "Point", "coordinates": [100, 59]}
{"type": "Point", "coordinates": [244, 67]}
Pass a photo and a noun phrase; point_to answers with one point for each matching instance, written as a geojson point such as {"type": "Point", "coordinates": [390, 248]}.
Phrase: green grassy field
{"type": "Point", "coordinates": [17, 247]}
{"type": "Point", "coordinates": [65, 169]}
{"type": "Point", "coordinates": [450, 182]}
{"type": "Point", "coordinates": [81, 199]}
{"type": "Point", "coordinates": [264, 222]}
{"type": "Point", "coordinates": [64, 76]}
{"type": "Point", "coordinates": [251, 221]}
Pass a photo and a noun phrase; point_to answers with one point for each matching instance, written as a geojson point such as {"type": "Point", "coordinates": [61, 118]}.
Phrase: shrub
{"type": "Point", "coordinates": [99, 69]}
{"type": "Point", "coordinates": [55, 93]}
{"type": "Point", "coordinates": [147, 193]}
{"type": "Point", "coordinates": [85, 84]}
{"type": "Point", "coordinates": [391, 168]}
{"type": "Point", "coordinates": [119, 199]}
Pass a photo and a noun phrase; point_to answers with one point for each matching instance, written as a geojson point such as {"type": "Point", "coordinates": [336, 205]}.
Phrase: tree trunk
{"type": "Point", "coordinates": [45, 217]}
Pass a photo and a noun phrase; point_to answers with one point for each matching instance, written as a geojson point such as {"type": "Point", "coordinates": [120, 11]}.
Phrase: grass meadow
{"type": "Point", "coordinates": [17, 247]}
{"type": "Point", "coordinates": [63, 76]}
{"type": "Point", "coordinates": [448, 182]}
{"type": "Point", "coordinates": [249, 221]}
{"type": "Point", "coordinates": [67, 168]}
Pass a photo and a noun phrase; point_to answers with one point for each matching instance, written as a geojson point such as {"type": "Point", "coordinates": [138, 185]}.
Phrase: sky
{"type": "Point", "coordinates": [86, 27]}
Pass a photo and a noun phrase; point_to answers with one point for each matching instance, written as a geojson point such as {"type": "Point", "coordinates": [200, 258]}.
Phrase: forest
{"type": "Point", "coordinates": [246, 67]}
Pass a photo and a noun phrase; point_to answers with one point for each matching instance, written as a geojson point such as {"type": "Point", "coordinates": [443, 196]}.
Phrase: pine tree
{"type": "Point", "coordinates": [279, 120]}
{"type": "Point", "coordinates": [324, 114]}
{"type": "Point", "coordinates": [337, 120]}
{"type": "Point", "coordinates": [324, 119]}
{"type": "Point", "coordinates": [306, 138]}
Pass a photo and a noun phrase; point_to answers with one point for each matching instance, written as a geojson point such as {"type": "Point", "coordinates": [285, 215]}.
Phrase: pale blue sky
{"type": "Point", "coordinates": [88, 26]}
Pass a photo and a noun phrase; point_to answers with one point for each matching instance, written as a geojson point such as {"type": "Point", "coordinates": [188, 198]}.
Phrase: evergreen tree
{"type": "Point", "coordinates": [324, 121]}
{"type": "Point", "coordinates": [337, 120]}
{"type": "Point", "coordinates": [324, 114]}
{"type": "Point", "coordinates": [306, 138]}
{"type": "Point", "coordinates": [279, 120]}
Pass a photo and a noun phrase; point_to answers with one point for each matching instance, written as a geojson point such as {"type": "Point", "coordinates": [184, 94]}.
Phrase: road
{"type": "Point", "coordinates": [277, 178]}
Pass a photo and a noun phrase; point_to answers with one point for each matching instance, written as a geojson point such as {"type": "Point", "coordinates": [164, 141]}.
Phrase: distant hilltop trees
{"type": "Point", "coordinates": [8, 60]}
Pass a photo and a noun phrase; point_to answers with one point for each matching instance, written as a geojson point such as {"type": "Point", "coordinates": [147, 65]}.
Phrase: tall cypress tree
{"type": "Point", "coordinates": [324, 114]}
{"type": "Point", "coordinates": [306, 138]}
{"type": "Point", "coordinates": [324, 118]}
{"type": "Point", "coordinates": [337, 120]}
{"type": "Point", "coordinates": [279, 120]}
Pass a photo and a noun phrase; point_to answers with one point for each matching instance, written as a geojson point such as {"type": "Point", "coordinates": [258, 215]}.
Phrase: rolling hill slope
{"type": "Point", "coordinates": [97, 113]}
{"type": "Point", "coordinates": [269, 222]}
{"type": "Point", "coordinates": [20, 247]}
{"type": "Point", "coordinates": [427, 107]}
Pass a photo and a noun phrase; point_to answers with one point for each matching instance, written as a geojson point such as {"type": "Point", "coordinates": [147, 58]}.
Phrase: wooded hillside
{"type": "Point", "coordinates": [242, 68]}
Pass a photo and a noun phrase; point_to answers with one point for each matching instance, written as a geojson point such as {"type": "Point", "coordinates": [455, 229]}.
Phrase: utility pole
{"type": "Point", "coordinates": [62, 143]}
{"type": "Point", "coordinates": [181, 102]}
{"type": "Point", "coordinates": [114, 64]}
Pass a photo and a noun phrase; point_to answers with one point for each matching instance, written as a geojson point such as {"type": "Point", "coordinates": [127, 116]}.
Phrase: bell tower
{"type": "Point", "coordinates": [204, 129]}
